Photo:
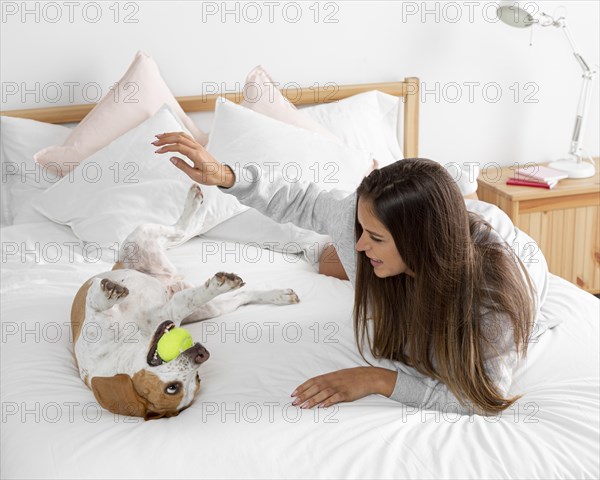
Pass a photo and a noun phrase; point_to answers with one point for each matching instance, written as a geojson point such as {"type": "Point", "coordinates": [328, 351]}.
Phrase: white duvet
{"type": "Point", "coordinates": [242, 423]}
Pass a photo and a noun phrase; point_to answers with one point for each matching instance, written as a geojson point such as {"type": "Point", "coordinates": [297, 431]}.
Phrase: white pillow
{"type": "Point", "coordinates": [22, 177]}
{"type": "Point", "coordinates": [370, 121]}
{"type": "Point", "coordinates": [367, 121]}
{"type": "Point", "coordinates": [253, 228]}
{"type": "Point", "coordinates": [240, 136]}
{"type": "Point", "coordinates": [126, 184]}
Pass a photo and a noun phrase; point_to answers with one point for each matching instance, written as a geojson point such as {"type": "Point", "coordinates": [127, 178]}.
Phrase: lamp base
{"type": "Point", "coordinates": [574, 168]}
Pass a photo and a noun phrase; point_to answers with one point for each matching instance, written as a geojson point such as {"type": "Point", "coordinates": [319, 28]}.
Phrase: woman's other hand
{"type": "Point", "coordinates": [344, 386]}
{"type": "Point", "coordinates": [205, 169]}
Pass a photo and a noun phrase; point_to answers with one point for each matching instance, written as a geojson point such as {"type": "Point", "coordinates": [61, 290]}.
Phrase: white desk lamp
{"type": "Point", "coordinates": [515, 15]}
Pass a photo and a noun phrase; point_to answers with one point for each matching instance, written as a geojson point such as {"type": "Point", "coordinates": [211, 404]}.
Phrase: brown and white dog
{"type": "Point", "coordinates": [118, 317]}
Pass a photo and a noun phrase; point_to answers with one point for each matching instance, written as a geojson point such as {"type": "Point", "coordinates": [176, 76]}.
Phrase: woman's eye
{"type": "Point", "coordinates": [173, 388]}
{"type": "Point", "coordinates": [375, 239]}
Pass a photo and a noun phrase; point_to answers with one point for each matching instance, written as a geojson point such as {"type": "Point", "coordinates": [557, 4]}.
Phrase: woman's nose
{"type": "Point", "coordinates": [361, 246]}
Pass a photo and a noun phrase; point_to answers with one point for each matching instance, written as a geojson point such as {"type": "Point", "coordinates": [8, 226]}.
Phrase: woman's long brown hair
{"type": "Point", "coordinates": [433, 321]}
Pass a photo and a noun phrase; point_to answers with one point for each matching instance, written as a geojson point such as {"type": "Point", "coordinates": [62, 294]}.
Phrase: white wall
{"type": "Point", "coordinates": [372, 41]}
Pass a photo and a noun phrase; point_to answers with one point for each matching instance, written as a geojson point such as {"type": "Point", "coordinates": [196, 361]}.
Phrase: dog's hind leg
{"type": "Point", "coordinates": [144, 248]}
{"type": "Point", "coordinates": [190, 214]}
{"type": "Point", "coordinates": [224, 305]}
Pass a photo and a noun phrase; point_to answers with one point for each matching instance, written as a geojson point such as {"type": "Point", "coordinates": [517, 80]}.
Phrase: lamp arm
{"type": "Point", "coordinates": [561, 23]}
{"type": "Point", "coordinates": [584, 94]}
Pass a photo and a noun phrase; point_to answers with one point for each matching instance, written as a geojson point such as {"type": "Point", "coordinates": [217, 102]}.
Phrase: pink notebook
{"type": "Point", "coordinates": [540, 173]}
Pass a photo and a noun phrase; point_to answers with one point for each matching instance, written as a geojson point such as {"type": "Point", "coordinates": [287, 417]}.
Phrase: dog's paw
{"type": "Point", "coordinates": [112, 290]}
{"type": "Point", "coordinates": [225, 281]}
{"type": "Point", "coordinates": [195, 195]}
{"type": "Point", "coordinates": [194, 200]}
{"type": "Point", "coordinates": [284, 296]}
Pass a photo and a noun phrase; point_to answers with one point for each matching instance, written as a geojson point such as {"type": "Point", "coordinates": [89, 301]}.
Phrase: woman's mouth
{"type": "Point", "coordinates": [375, 263]}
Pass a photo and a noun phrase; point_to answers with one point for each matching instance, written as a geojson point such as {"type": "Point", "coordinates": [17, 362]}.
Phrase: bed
{"type": "Point", "coordinates": [242, 425]}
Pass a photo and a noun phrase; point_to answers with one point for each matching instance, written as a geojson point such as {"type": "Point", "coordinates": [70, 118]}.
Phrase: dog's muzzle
{"type": "Point", "coordinates": [196, 353]}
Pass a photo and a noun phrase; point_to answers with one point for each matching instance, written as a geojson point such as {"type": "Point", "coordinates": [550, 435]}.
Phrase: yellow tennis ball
{"type": "Point", "coordinates": [172, 343]}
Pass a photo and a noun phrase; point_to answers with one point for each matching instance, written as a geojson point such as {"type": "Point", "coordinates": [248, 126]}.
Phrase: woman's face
{"type": "Point", "coordinates": [376, 242]}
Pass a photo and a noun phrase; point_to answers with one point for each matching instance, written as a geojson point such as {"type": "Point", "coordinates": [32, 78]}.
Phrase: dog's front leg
{"type": "Point", "coordinates": [183, 303]}
{"type": "Point", "coordinates": [223, 306]}
{"type": "Point", "coordinates": [104, 293]}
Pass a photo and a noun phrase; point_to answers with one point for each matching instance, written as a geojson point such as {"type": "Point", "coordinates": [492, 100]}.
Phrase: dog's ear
{"type": "Point", "coordinates": [118, 395]}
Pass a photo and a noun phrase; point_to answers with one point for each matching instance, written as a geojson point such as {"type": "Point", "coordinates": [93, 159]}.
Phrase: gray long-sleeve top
{"type": "Point", "coordinates": [308, 206]}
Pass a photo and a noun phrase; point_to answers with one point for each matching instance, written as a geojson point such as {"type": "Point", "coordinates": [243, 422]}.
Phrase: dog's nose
{"type": "Point", "coordinates": [198, 353]}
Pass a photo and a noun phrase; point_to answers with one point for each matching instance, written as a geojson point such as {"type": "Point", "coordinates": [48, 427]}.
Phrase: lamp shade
{"type": "Point", "coordinates": [514, 14]}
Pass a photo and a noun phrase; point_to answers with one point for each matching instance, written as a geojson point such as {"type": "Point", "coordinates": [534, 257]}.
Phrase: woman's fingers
{"type": "Point", "coordinates": [344, 385]}
{"type": "Point", "coordinates": [177, 141]}
{"type": "Point", "coordinates": [304, 392]}
{"type": "Point", "coordinates": [174, 135]}
{"type": "Point", "coordinates": [301, 388]}
{"type": "Point", "coordinates": [177, 138]}
{"type": "Point", "coordinates": [335, 398]}
{"type": "Point", "coordinates": [178, 147]}
{"type": "Point", "coordinates": [318, 398]}
{"type": "Point", "coordinates": [185, 168]}
{"type": "Point", "coordinates": [316, 391]}
{"type": "Point", "coordinates": [205, 169]}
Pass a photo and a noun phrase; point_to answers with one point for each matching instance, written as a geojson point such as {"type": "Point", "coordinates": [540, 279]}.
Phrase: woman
{"type": "Point", "coordinates": [437, 288]}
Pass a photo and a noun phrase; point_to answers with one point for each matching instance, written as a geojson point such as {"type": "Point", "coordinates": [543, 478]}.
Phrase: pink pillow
{"type": "Point", "coordinates": [262, 96]}
{"type": "Point", "coordinates": [141, 92]}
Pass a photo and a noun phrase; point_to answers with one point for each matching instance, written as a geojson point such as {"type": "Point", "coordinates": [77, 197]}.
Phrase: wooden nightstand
{"type": "Point", "coordinates": [564, 221]}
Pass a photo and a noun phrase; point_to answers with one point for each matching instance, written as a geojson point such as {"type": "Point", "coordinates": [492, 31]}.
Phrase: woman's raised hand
{"type": "Point", "coordinates": [205, 169]}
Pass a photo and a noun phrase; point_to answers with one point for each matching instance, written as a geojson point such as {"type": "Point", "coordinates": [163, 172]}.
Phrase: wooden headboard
{"type": "Point", "coordinates": [408, 90]}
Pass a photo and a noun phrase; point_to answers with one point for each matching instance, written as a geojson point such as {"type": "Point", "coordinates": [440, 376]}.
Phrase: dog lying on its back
{"type": "Point", "coordinates": [124, 312]}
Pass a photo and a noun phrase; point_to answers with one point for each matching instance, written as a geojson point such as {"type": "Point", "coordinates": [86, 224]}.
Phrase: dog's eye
{"type": "Point", "coordinates": [173, 388]}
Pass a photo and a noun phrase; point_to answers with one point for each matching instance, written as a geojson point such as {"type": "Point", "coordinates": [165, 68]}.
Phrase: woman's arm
{"type": "Point", "coordinates": [351, 384]}
{"type": "Point", "coordinates": [304, 204]}
{"type": "Point", "coordinates": [330, 264]}
{"type": "Point", "coordinates": [417, 390]}
{"type": "Point", "coordinates": [406, 385]}
{"type": "Point", "coordinates": [344, 385]}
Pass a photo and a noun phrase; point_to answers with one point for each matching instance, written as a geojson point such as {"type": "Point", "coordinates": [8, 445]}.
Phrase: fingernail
{"type": "Point", "coordinates": [295, 402]}
{"type": "Point", "coordinates": [159, 135]}
{"type": "Point", "coordinates": [173, 161]}
{"type": "Point", "coordinates": [154, 142]}
{"type": "Point", "coordinates": [158, 150]}
{"type": "Point", "coordinates": [294, 393]}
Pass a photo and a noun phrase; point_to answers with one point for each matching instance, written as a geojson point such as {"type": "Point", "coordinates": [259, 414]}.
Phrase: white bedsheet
{"type": "Point", "coordinates": [242, 424]}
